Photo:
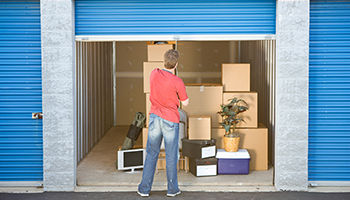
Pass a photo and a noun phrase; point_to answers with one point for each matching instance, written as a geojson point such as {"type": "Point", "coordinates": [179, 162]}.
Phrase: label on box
{"type": "Point", "coordinates": [206, 170]}
{"type": "Point", "coordinates": [208, 151]}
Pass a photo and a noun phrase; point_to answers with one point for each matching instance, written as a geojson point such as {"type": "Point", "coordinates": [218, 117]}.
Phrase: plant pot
{"type": "Point", "coordinates": [231, 144]}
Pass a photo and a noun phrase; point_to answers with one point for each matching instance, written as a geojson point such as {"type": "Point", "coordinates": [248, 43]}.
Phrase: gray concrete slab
{"type": "Point", "coordinates": [291, 106]}
{"type": "Point", "coordinates": [98, 169]}
{"type": "Point", "coordinates": [184, 195]}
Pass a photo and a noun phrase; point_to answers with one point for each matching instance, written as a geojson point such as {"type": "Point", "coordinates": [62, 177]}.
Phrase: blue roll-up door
{"type": "Point", "coordinates": [329, 95]}
{"type": "Point", "coordinates": [21, 142]}
{"type": "Point", "coordinates": [145, 17]}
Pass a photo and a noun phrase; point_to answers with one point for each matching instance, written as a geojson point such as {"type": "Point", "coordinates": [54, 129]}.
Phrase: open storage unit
{"type": "Point", "coordinates": [112, 91]}
{"type": "Point", "coordinates": [207, 34]}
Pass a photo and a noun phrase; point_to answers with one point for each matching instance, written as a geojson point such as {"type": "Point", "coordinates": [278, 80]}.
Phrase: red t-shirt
{"type": "Point", "coordinates": [165, 91]}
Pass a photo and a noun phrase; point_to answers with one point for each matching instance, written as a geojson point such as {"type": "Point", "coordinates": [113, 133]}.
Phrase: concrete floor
{"type": "Point", "coordinates": [98, 169]}
{"type": "Point", "coordinates": [184, 195]}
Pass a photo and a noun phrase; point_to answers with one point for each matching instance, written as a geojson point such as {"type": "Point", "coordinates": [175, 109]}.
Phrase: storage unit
{"type": "Point", "coordinates": [329, 105]}
{"type": "Point", "coordinates": [233, 162]}
{"type": "Point", "coordinates": [21, 136]}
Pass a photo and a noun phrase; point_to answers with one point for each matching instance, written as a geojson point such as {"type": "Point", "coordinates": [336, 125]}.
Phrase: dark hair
{"type": "Point", "coordinates": [170, 58]}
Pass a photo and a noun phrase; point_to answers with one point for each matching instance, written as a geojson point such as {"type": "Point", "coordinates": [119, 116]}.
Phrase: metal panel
{"type": "Point", "coordinates": [174, 17]}
{"type": "Point", "coordinates": [21, 139]}
{"type": "Point", "coordinates": [329, 94]}
{"type": "Point", "coordinates": [93, 94]}
{"type": "Point", "coordinates": [261, 56]}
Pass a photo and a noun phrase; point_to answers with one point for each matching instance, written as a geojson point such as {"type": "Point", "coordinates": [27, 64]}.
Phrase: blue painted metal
{"type": "Point", "coordinates": [329, 95]}
{"type": "Point", "coordinates": [21, 141]}
{"type": "Point", "coordinates": [147, 17]}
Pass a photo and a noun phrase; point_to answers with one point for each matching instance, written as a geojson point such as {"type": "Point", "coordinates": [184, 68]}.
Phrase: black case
{"type": "Point", "coordinates": [193, 148]}
{"type": "Point", "coordinates": [134, 132]}
{"type": "Point", "coordinates": [195, 162]}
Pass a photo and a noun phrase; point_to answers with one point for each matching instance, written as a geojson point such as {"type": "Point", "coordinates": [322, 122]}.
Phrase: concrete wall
{"type": "Point", "coordinates": [58, 54]}
{"type": "Point", "coordinates": [292, 51]}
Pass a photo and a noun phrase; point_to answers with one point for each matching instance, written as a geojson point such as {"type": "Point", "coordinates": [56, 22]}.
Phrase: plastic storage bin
{"type": "Point", "coordinates": [198, 148]}
{"type": "Point", "coordinates": [203, 167]}
{"type": "Point", "coordinates": [233, 162]}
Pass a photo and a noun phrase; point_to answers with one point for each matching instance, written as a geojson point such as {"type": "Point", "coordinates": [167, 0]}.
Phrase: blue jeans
{"type": "Point", "coordinates": [158, 129]}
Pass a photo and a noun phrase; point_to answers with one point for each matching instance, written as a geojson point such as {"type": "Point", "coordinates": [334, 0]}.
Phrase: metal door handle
{"type": "Point", "coordinates": [37, 115]}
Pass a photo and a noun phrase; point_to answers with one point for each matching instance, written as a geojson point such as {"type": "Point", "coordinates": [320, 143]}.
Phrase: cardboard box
{"type": "Point", "coordinates": [205, 100]}
{"type": "Point", "coordinates": [148, 108]}
{"type": "Point", "coordinates": [255, 140]}
{"type": "Point", "coordinates": [199, 128]}
{"type": "Point", "coordinates": [236, 77]}
{"type": "Point", "coordinates": [148, 67]}
{"type": "Point", "coordinates": [155, 52]}
{"type": "Point", "coordinates": [161, 164]}
{"type": "Point", "coordinates": [251, 115]}
{"type": "Point", "coordinates": [144, 137]}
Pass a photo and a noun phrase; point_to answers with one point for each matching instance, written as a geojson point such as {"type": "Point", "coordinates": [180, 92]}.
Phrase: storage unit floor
{"type": "Point", "coordinates": [98, 169]}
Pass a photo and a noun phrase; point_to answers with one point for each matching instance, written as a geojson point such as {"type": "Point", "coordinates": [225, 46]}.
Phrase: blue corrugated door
{"type": "Point", "coordinates": [21, 142]}
{"type": "Point", "coordinates": [329, 96]}
{"type": "Point", "coordinates": [145, 17]}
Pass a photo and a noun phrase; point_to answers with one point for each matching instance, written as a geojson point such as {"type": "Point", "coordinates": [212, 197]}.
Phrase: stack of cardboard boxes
{"type": "Point", "coordinates": [254, 136]}
{"type": "Point", "coordinates": [205, 101]}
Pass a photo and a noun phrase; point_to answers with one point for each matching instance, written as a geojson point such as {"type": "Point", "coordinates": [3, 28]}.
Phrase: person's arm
{"type": "Point", "coordinates": [186, 102]}
{"type": "Point", "coordinates": [181, 92]}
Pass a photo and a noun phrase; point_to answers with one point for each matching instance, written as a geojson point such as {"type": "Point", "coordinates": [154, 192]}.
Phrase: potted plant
{"type": "Point", "coordinates": [230, 118]}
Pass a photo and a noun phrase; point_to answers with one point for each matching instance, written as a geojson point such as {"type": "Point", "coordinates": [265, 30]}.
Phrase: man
{"type": "Point", "coordinates": [165, 91]}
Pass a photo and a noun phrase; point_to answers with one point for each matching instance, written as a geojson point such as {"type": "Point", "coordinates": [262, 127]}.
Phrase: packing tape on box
{"type": "Point", "coordinates": [201, 88]}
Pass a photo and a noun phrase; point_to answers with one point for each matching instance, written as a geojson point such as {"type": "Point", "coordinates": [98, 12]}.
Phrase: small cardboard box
{"type": "Point", "coordinates": [155, 52]}
{"type": "Point", "coordinates": [251, 115]}
{"type": "Point", "coordinates": [236, 77]}
{"type": "Point", "coordinates": [148, 67]}
{"type": "Point", "coordinates": [199, 128]}
{"type": "Point", "coordinates": [255, 140]}
{"type": "Point", "coordinates": [205, 100]}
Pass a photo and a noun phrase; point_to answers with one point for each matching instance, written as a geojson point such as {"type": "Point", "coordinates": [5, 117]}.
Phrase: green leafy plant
{"type": "Point", "coordinates": [230, 115]}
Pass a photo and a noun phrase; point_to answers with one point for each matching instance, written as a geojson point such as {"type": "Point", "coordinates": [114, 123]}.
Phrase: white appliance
{"type": "Point", "coordinates": [131, 159]}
